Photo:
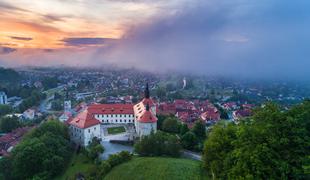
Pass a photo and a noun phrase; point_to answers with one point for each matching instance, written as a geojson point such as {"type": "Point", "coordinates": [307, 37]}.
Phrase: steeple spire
{"type": "Point", "coordinates": [147, 91]}
{"type": "Point", "coordinates": [147, 107]}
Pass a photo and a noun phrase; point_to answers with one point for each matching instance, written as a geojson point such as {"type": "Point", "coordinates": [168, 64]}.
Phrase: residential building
{"type": "Point", "coordinates": [3, 98]}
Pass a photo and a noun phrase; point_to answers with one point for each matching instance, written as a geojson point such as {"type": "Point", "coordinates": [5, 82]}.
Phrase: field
{"type": "Point", "coordinates": [78, 163]}
{"type": "Point", "coordinates": [157, 168]}
{"type": "Point", "coordinates": [116, 130]}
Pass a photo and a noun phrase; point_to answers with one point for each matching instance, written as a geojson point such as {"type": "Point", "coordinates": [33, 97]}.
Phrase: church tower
{"type": "Point", "coordinates": [145, 115]}
{"type": "Point", "coordinates": [67, 102]}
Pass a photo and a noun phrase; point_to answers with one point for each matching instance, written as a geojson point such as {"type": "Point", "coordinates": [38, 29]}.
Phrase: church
{"type": "Point", "coordinates": [87, 124]}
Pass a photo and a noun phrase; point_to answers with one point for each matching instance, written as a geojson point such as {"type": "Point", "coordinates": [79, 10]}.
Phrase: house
{"type": "Point", "coordinates": [167, 109]}
{"type": "Point", "coordinates": [83, 128]}
{"type": "Point", "coordinates": [241, 113]}
{"type": "Point", "coordinates": [10, 140]}
{"type": "Point", "coordinates": [65, 116]}
{"type": "Point", "coordinates": [211, 115]}
{"type": "Point", "coordinates": [29, 114]}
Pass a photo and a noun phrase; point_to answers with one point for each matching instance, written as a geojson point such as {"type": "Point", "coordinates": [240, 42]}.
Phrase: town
{"type": "Point", "coordinates": [119, 107]}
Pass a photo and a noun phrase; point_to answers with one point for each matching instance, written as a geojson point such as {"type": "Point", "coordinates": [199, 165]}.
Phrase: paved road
{"type": "Point", "coordinates": [191, 155]}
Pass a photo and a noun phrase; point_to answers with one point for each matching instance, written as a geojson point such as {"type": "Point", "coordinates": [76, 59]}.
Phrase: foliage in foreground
{"type": "Point", "coordinates": [270, 145]}
{"type": "Point", "coordinates": [42, 154]}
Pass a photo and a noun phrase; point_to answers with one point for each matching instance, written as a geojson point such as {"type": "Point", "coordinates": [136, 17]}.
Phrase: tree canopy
{"type": "Point", "coordinates": [270, 145]}
{"type": "Point", "coordinates": [158, 144]}
{"type": "Point", "coordinates": [42, 154]}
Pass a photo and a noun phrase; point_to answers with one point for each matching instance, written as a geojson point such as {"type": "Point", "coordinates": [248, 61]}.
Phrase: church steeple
{"type": "Point", "coordinates": [147, 107]}
{"type": "Point", "coordinates": [147, 91]}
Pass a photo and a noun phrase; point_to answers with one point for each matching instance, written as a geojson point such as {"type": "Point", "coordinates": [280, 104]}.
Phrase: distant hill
{"type": "Point", "coordinates": [157, 168]}
{"type": "Point", "coordinates": [8, 75]}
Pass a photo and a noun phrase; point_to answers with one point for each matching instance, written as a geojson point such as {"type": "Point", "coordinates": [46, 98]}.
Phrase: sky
{"type": "Point", "coordinates": [257, 38]}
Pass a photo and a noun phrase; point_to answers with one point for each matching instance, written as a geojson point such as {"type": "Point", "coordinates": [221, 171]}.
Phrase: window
{"type": "Point", "coordinates": [120, 120]}
{"type": "Point", "coordinates": [88, 130]}
{"type": "Point", "coordinates": [125, 120]}
{"type": "Point", "coordinates": [95, 128]}
{"type": "Point", "coordinates": [120, 115]}
{"type": "Point", "coordinates": [115, 120]}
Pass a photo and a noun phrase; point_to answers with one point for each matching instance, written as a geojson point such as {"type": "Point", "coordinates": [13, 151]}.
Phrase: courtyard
{"type": "Point", "coordinates": [116, 130]}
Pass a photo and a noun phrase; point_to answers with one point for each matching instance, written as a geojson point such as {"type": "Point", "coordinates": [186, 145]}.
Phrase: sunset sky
{"type": "Point", "coordinates": [205, 36]}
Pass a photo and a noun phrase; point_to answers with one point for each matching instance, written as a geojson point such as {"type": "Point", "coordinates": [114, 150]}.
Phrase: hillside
{"type": "Point", "coordinates": [157, 168]}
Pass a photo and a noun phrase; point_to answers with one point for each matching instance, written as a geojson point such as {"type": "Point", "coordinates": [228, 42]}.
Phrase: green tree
{"type": "Point", "coordinates": [43, 153]}
{"type": "Point", "coordinates": [189, 140]}
{"type": "Point", "coordinates": [7, 124]}
{"type": "Point", "coordinates": [270, 145]}
{"type": "Point", "coordinates": [199, 130]}
{"type": "Point", "coordinates": [171, 125]}
{"type": "Point", "coordinates": [217, 147]}
{"type": "Point", "coordinates": [161, 92]}
{"type": "Point", "coordinates": [158, 144]}
{"type": "Point", "coordinates": [94, 149]}
{"type": "Point", "coordinates": [184, 129]}
{"type": "Point", "coordinates": [5, 109]}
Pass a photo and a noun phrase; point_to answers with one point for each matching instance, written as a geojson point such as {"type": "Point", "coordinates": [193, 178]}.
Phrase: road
{"type": "Point", "coordinates": [50, 96]}
{"type": "Point", "coordinates": [191, 155]}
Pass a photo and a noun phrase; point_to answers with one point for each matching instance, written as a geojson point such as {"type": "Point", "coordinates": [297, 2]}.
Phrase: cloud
{"type": "Point", "coordinates": [6, 50]}
{"type": "Point", "coordinates": [240, 38]}
{"type": "Point", "coordinates": [227, 38]}
{"type": "Point", "coordinates": [82, 41]}
{"type": "Point", "coordinates": [21, 38]}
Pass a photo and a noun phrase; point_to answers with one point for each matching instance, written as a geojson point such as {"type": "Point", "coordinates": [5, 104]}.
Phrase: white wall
{"type": "Point", "coordinates": [115, 118]}
{"type": "Point", "coordinates": [90, 133]}
{"type": "Point", "coordinates": [84, 136]}
{"type": "Point", "coordinates": [144, 129]}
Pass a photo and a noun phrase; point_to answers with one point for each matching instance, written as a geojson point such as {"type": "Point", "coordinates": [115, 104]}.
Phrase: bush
{"type": "Point", "coordinates": [116, 159]}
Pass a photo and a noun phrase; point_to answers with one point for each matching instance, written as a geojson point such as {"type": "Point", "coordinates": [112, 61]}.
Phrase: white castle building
{"type": "Point", "coordinates": [86, 124]}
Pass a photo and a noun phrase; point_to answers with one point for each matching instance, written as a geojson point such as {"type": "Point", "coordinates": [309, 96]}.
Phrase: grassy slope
{"type": "Point", "coordinates": [157, 168]}
{"type": "Point", "coordinates": [78, 163]}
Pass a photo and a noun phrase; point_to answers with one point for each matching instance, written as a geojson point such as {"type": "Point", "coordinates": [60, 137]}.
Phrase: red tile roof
{"type": "Point", "coordinates": [148, 101]}
{"type": "Point", "coordinates": [110, 109]}
{"type": "Point", "coordinates": [147, 117]}
{"type": "Point", "coordinates": [84, 120]}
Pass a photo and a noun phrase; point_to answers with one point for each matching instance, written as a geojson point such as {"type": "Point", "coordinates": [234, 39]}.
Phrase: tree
{"type": "Point", "coordinates": [161, 92]}
{"type": "Point", "coordinates": [7, 124]}
{"type": "Point", "coordinates": [5, 109]}
{"type": "Point", "coordinates": [199, 130]}
{"type": "Point", "coordinates": [217, 146]}
{"type": "Point", "coordinates": [49, 82]}
{"type": "Point", "coordinates": [160, 120]}
{"type": "Point", "coordinates": [189, 140]}
{"type": "Point", "coordinates": [158, 144]}
{"type": "Point", "coordinates": [171, 125]}
{"type": "Point", "coordinates": [43, 153]}
{"type": "Point", "coordinates": [57, 105]}
{"type": "Point", "coordinates": [270, 145]}
{"type": "Point", "coordinates": [184, 129]}
{"type": "Point", "coordinates": [94, 149]}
